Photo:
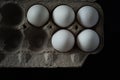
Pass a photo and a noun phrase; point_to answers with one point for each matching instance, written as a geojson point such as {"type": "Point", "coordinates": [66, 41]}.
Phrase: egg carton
{"type": "Point", "coordinates": [24, 45]}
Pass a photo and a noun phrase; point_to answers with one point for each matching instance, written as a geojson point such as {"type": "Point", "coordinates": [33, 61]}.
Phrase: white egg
{"type": "Point", "coordinates": [37, 15]}
{"type": "Point", "coordinates": [63, 40]}
{"type": "Point", "coordinates": [88, 40]}
{"type": "Point", "coordinates": [63, 15]}
{"type": "Point", "coordinates": [88, 16]}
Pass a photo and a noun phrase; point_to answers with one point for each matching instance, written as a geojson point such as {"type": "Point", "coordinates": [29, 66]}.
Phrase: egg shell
{"type": "Point", "coordinates": [63, 15]}
{"type": "Point", "coordinates": [37, 15]}
{"type": "Point", "coordinates": [88, 40]}
{"type": "Point", "coordinates": [88, 16]}
{"type": "Point", "coordinates": [63, 40]}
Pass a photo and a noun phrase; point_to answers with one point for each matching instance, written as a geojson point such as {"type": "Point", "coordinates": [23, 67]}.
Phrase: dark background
{"type": "Point", "coordinates": [104, 64]}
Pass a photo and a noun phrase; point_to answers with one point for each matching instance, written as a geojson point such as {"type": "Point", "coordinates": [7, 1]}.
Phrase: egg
{"type": "Point", "coordinates": [63, 15]}
{"type": "Point", "coordinates": [88, 16]}
{"type": "Point", "coordinates": [88, 40]}
{"type": "Point", "coordinates": [63, 40]}
{"type": "Point", "coordinates": [37, 15]}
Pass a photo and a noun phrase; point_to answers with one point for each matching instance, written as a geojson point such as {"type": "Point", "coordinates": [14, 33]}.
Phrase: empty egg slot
{"type": "Point", "coordinates": [11, 38]}
{"type": "Point", "coordinates": [36, 38]}
{"type": "Point", "coordinates": [12, 14]}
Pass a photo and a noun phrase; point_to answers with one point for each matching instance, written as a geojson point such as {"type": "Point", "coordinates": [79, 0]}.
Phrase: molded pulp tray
{"type": "Point", "coordinates": [24, 45]}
